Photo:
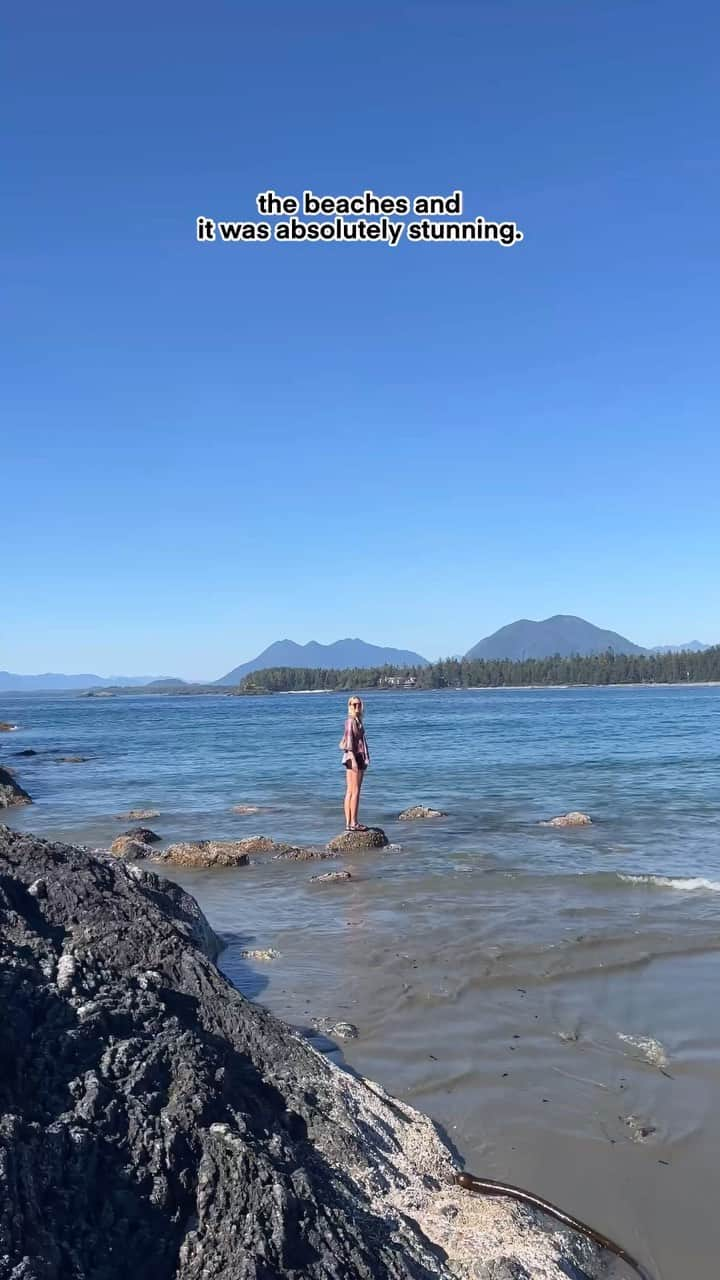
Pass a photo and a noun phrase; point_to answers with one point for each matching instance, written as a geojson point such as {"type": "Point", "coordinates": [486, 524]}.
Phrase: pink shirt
{"type": "Point", "coordinates": [356, 742]}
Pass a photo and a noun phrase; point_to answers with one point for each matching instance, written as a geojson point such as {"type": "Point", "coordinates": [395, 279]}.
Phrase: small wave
{"type": "Point", "coordinates": [651, 1051]}
{"type": "Point", "coordinates": [683, 883]}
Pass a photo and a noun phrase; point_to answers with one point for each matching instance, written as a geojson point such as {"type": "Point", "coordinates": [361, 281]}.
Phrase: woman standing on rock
{"type": "Point", "coordinates": [356, 759]}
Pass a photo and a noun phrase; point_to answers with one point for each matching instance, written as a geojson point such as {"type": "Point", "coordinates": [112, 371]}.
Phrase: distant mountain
{"type": "Point", "coordinates": [693, 646]}
{"type": "Point", "coordinates": [167, 685]}
{"type": "Point", "coordinates": [338, 656]}
{"type": "Point", "coordinates": [562, 634]}
{"type": "Point", "coordinates": [11, 683]}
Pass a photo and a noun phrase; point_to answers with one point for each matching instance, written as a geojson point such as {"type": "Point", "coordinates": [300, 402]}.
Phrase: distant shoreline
{"type": "Point", "coordinates": [619, 684]}
{"type": "Point", "coordinates": [139, 691]}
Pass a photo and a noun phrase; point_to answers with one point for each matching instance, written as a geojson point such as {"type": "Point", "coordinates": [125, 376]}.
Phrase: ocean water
{"type": "Point", "coordinates": [550, 996]}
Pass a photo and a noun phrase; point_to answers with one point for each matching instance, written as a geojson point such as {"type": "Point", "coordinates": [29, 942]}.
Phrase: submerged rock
{"type": "Point", "coordinates": [130, 848]}
{"type": "Point", "coordinates": [244, 810]}
{"type": "Point", "coordinates": [11, 792]}
{"type": "Point", "coordinates": [144, 834]}
{"type": "Point", "coordinates": [138, 815]}
{"type": "Point", "coordinates": [331, 877]}
{"type": "Point", "coordinates": [344, 1030]}
{"type": "Point", "coordinates": [341, 1030]}
{"type": "Point", "coordinates": [156, 1124]}
{"type": "Point", "coordinates": [569, 820]}
{"type": "Point", "coordinates": [261, 953]}
{"type": "Point", "coordinates": [350, 841]}
{"type": "Point", "coordinates": [5, 727]}
{"type": "Point", "coordinates": [72, 759]}
{"type": "Point", "coordinates": [27, 752]}
{"type": "Point", "coordinates": [420, 811]}
{"type": "Point", "coordinates": [302, 855]}
{"type": "Point", "coordinates": [640, 1129]}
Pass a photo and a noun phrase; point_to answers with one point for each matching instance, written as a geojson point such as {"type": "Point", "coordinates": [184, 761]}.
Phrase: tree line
{"type": "Point", "coordinates": [452, 673]}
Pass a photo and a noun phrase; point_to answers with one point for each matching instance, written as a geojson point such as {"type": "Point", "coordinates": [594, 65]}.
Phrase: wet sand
{"type": "Point", "coordinates": [532, 1080]}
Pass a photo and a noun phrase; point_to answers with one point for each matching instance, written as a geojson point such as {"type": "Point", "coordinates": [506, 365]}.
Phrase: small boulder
{"type": "Point", "coordinates": [351, 841]}
{"type": "Point", "coordinates": [130, 849]}
{"type": "Point", "coordinates": [205, 853]}
{"type": "Point", "coordinates": [27, 752]}
{"type": "Point", "coordinates": [144, 834]}
{"type": "Point", "coordinates": [331, 877]}
{"type": "Point", "coordinates": [569, 820]}
{"type": "Point", "coordinates": [420, 811]}
{"type": "Point", "coordinates": [11, 792]}
{"type": "Point", "coordinates": [138, 815]}
{"type": "Point", "coordinates": [6, 728]}
{"type": "Point", "coordinates": [220, 853]}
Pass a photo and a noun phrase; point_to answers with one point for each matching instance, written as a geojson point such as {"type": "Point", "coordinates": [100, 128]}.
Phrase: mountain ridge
{"type": "Point", "coordinates": [340, 655]}
{"type": "Point", "coordinates": [12, 682]}
{"type": "Point", "coordinates": [563, 634]}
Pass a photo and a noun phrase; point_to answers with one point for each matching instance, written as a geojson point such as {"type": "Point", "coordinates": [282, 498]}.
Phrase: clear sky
{"type": "Point", "coordinates": [207, 447]}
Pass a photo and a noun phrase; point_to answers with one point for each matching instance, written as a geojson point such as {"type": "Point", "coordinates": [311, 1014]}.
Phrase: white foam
{"type": "Point", "coordinates": [650, 1051]}
{"type": "Point", "coordinates": [684, 883]}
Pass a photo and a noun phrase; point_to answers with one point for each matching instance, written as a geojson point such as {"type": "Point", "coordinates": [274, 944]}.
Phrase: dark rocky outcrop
{"type": "Point", "coordinates": [419, 811]}
{"type": "Point", "coordinates": [181, 906]}
{"type": "Point", "coordinates": [569, 820]}
{"type": "Point", "coordinates": [10, 791]}
{"type": "Point", "coordinates": [155, 1124]}
{"type": "Point", "coordinates": [352, 841]}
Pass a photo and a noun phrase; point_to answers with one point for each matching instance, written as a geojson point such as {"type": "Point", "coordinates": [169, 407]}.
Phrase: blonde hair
{"type": "Point", "coordinates": [357, 715]}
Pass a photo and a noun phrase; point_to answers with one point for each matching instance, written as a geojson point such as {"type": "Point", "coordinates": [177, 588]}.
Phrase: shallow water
{"type": "Point", "coordinates": [548, 995]}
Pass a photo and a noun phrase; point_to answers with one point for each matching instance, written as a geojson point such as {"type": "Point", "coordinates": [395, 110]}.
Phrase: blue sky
{"type": "Point", "coordinates": [208, 447]}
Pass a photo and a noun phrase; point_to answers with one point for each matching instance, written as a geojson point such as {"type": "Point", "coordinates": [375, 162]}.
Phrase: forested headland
{"type": "Point", "coordinates": [452, 673]}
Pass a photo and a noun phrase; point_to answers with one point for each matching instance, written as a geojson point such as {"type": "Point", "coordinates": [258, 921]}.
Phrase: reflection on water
{"type": "Point", "coordinates": [506, 977]}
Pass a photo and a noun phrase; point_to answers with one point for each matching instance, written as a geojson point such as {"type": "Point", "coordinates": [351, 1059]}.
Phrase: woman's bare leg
{"type": "Point", "coordinates": [357, 775]}
{"type": "Point", "coordinates": [361, 778]}
{"type": "Point", "coordinates": [348, 793]}
{"type": "Point", "coordinates": [352, 796]}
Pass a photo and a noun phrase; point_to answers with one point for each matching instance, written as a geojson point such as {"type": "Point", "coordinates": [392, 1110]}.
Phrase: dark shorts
{"type": "Point", "coordinates": [361, 767]}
